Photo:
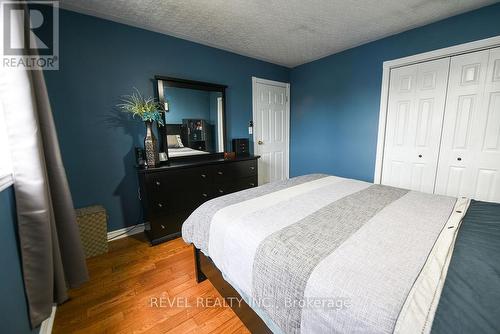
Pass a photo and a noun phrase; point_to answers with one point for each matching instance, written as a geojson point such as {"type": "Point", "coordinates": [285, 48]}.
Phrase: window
{"type": "Point", "coordinates": [5, 160]}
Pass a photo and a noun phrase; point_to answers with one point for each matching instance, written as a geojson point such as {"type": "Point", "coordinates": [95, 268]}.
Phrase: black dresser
{"type": "Point", "coordinates": [170, 193]}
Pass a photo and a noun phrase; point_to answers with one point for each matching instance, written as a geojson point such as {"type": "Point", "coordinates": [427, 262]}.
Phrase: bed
{"type": "Point", "coordinates": [179, 149]}
{"type": "Point", "coordinates": [320, 253]}
{"type": "Point", "coordinates": [184, 151]}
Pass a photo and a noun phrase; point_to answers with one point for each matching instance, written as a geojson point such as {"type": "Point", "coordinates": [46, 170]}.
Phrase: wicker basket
{"type": "Point", "coordinates": [92, 222]}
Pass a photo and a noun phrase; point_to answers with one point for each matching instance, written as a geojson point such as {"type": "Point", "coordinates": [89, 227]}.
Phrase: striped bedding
{"type": "Point", "coordinates": [320, 253]}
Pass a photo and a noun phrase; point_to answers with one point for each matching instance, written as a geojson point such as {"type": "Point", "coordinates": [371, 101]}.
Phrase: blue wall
{"type": "Point", "coordinates": [13, 307]}
{"type": "Point", "coordinates": [101, 60]}
{"type": "Point", "coordinates": [335, 100]}
{"type": "Point", "coordinates": [187, 103]}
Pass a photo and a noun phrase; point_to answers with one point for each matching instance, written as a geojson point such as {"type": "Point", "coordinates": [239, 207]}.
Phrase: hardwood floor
{"type": "Point", "coordinates": [136, 288]}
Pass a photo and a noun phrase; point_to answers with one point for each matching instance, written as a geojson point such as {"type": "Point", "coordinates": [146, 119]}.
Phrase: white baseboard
{"type": "Point", "coordinates": [125, 232]}
{"type": "Point", "coordinates": [47, 324]}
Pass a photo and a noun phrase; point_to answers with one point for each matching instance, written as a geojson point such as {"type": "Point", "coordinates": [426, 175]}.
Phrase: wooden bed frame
{"type": "Point", "coordinates": [205, 268]}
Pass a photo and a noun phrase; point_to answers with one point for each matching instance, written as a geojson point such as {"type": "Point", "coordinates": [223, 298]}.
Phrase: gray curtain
{"type": "Point", "coordinates": [52, 256]}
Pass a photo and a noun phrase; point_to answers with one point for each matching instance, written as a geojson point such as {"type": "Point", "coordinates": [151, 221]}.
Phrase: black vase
{"type": "Point", "coordinates": [151, 146]}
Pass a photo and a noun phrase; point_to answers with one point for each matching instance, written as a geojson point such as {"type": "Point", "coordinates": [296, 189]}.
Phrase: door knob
{"type": "Point", "coordinates": [260, 142]}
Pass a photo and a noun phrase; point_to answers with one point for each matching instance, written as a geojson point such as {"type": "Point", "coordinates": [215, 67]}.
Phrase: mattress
{"type": "Point", "coordinates": [320, 253]}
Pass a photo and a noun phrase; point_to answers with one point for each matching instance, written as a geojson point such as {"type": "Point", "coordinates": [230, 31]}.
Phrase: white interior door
{"type": "Point", "coordinates": [417, 95]}
{"type": "Point", "coordinates": [271, 121]}
{"type": "Point", "coordinates": [470, 151]}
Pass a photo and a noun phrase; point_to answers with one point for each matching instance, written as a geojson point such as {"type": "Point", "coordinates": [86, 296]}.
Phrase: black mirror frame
{"type": "Point", "coordinates": [165, 81]}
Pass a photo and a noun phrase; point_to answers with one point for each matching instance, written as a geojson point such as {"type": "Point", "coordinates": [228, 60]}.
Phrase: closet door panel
{"type": "Point", "coordinates": [414, 120]}
{"type": "Point", "coordinates": [487, 182]}
{"type": "Point", "coordinates": [469, 163]}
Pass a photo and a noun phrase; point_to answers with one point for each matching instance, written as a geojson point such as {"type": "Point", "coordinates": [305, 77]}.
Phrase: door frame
{"type": "Point", "coordinates": [451, 51]}
{"type": "Point", "coordinates": [285, 85]}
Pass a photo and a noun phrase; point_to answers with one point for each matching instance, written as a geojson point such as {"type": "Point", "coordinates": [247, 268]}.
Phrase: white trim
{"type": "Point", "coordinates": [482, 44]}
{"type": "Point", "coordinates": [270, 82]}
{"type": "Point", "coordinates": [125, 232]}
{"type": "Point", "coordinates": [256, 80]}
{"type": "Point", "coordinates": [455, 50]}
{"type": "Point", "coordinates": [6, 181]}
{"type": "Point", "coordinates": [384, 100]}
{"type": "Point", "coordinates": [47, 324]}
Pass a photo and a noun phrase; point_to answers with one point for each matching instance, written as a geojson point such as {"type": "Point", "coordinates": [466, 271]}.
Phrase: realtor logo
{"type": "Point", "coordinates": [30, 34]}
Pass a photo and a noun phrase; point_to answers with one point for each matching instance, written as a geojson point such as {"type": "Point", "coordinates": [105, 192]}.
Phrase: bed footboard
{"type": "Point", "coordinates": [205, 268]}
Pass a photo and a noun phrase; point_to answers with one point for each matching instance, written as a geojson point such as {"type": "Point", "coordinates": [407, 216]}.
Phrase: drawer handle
{"type": "Point", "coordinates": [420, 155]}
{"type": "Point", "coordinates": [204, 195]}
{"type": "Point", "coordinates": [220, 173]}
{"type": "Point", "coordinates": [221, 191]}
{"type": "Point", "coordinates": [160, 205]}
{"type": "Point", "coordinates": [203, 176]}
{"type": "Point", "coordinates": [162, 226]}
{"type": "Point", "coordinates": [158, 183]}
{"type": "Point", "coordinates": [252, 184]}
{"type": "Point", "coordinates": [459, 159]}
{"type": "Point", "coordinates": [252, 168]}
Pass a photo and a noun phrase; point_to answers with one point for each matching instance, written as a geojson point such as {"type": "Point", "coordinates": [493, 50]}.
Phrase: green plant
{"type": "Point", "coordinates": [147, 108]}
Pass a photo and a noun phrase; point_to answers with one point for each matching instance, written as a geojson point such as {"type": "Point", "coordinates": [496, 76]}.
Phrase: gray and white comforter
{"type": "Point", "coordinates": [320, 253]}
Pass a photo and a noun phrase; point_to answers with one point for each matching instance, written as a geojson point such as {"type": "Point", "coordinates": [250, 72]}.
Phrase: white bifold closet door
{"type": "Point", "coordinates": [417, 95]}
{"type": "Point", "coordinates": [469, 160]}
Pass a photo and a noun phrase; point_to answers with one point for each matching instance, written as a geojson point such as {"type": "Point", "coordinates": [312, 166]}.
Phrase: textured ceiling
{"type": "Point", "coordinates": [285, 32]}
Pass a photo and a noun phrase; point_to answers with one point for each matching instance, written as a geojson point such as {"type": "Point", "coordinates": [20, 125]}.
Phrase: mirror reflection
{"type": "Point", "coordinates": [194, 117]}
{"type": "Point", "coordinates": [194, 121]}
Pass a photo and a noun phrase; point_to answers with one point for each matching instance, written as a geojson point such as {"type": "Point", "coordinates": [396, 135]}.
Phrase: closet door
{"type": "Point", "coordinates": [469, 162]}
{"type": "Point", "coordinates": [417, 95]}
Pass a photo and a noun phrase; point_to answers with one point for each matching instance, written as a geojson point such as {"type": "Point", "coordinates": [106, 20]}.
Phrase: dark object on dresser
{"type": "Point", "coordinates": [170, 193]}
{"type": "Point", "coordinates": [241, 146]}
{"type": "Point", "coordinates": [199, 134]}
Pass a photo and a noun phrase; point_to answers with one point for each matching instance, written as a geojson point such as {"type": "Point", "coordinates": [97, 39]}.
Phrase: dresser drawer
{"type": "Point", "coordinates": [167, 224]}
{"type": "Point", "coordinates": [164, 202]}
{"type": "Point", "coordinates": [234, 170]}
{"type": "Point", "coordinates": [170, 194]}
{"type": "Point", "coordinates": [178, 179]}
{"type": "Point", "coordinates": [247, 182]}
{"type": "Point", "coordinates": [221, 189]}
{"type": "Point", "coordinates": [178, 189]}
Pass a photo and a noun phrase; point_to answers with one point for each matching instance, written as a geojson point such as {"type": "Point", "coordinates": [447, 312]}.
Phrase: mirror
{"type": "Point", "coordinates": [194, 117]}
